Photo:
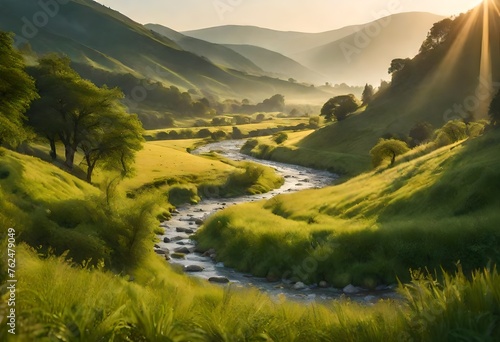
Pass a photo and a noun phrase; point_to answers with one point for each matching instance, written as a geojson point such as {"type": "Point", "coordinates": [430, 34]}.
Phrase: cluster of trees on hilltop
{"type": "Point", "coordinates": [276, 103]}
{"type": "Point", "coordinates": [54, 102]}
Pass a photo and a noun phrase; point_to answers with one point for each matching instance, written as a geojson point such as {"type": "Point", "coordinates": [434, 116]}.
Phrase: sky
{"type": "Point", "coordinates": [286, 15]}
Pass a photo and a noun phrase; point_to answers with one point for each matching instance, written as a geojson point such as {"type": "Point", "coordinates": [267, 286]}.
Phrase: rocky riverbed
{"type": "Point", "coordinates": [179, 249]}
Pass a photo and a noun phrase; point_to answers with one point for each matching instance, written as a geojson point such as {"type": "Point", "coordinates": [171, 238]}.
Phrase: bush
{"type": "Point", "coordinates": [219, 135]}
{"type": "Point", "coordinates": [280, 138]}
{"type": "Point", "coordinates": [183, 193]}
{"type": "Point", "coordinates": [314, 122]}
{"type": "Point", "coordinates": [387, 149]}
{"type": "Point", "coordinates": [203, 133]}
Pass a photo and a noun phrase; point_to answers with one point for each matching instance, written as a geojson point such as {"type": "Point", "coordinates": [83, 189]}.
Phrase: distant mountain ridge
{"type": "Point", "coordinates": [216, 53]}
{"type": "Point", "coordinates": [278, 64]}
{"type": "Point", "coordinates": [93, 34]}
{"type": "Point", "coordinates": [382, 40]}
{"type": "Point", "coordinates": [286, 43]}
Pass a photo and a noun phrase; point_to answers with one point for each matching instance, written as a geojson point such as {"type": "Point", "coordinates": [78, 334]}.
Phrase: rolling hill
{"type": "Point", "coordinates": [374, 44]}
{"type": "Point", "coordinates": [95, 35]}
{"type": "Point", "coordinates": [364, 56]}
{"type": "Point", "coordinates": [216, 53]}
{"type": "Point", "coordinates": [286, 43]}
{"type": "Point", "coordinates": [278, 64]}
{"type": "Point", "coordinates": [455, 79]}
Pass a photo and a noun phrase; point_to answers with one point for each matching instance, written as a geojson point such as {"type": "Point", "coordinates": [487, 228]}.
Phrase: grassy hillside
{"type": "Point", "coordinates": [432, 211]}
{"type": "Point", "coordinates": [93, 34]}
{"type": "Point", "coordinates": [365, 56]}
{"type": "Point", "coordinates": [436, 86]}
{"type": "Point", "coordinates": [217, 54]}
{"type": "Point", "coordinates": [149, 300]}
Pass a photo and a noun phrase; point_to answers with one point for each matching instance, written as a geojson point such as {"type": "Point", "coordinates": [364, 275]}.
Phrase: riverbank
{"type": "Point", "coordinates": [186, 220]}
{"type": "Point", "coordinates": [429, 211]}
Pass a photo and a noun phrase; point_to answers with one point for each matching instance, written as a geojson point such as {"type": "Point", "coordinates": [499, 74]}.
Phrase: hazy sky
{"type": "Point", "coordinates": [296, 15]}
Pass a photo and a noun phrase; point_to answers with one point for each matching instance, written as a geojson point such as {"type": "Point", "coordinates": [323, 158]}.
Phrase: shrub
{"type": "Point", "coordinates": [183, 193]}
{"type": "Point", "coordinates": [387, 149]}
{"type": "Point", "coordinates": [280, 138]}
{"type": "Point", "coordinates": [203, 133]}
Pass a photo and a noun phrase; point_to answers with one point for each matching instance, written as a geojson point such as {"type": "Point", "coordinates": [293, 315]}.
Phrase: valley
{"type": "Point", "coordinates": [217, 179]}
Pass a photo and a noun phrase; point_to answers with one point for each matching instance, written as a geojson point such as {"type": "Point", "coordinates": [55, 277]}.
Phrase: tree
{"type": "Point", "coordinates": [387, 148]}
{"type": "Point", "coordinates": [495, 110]}
{"type": "Point", "coordinates": [83, 117]}
{"type": "Point", "coordinates": [437, 35]}
{"type": "Point", "coordinates": [274, 104]}
{"type": "Point", "coordinates": [398, 64]}
{"type": "Point", "coordinates": [420, 133]}
{"type": "Point", "coordinates": [114, 144]}
{"type": "Point", "coordinates": [70, 108]}
{"type": "Point", "coordinates": [339, 107]}
{"type": "Point", "coordinates": [368, 94]}
{"type": "Point", "coordinates": [17, 90]}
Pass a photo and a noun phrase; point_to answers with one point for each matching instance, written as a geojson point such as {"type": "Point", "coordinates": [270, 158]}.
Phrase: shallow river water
{"type": "Point", "coordinates": [188, 218]}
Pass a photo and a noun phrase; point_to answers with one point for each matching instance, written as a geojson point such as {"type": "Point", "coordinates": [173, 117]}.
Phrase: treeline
{"type": "Point", "coordinates": [158, 106]}
{"type": "Point", "coordinates": [53, 102]}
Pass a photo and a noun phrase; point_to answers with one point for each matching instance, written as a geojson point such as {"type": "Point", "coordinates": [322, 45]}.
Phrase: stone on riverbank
{"type": "Point", "coordinates": [218, 280]}
{"type": "Point", "coordinates": [183, 250]}
{"type": "Point", "coordinates": [193, 268]}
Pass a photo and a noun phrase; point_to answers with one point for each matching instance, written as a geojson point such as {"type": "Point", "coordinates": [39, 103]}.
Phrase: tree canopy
{"type": "Point", "coordinates": [495, 110]}
{"type": "Point", "coordinates": [339, 107]}
{"type": "Point", "coordinates": [83, 116]}
{"type": "Point", "coordinates": [368, 94]}
{"type": "Point", "coordinates": [17, 90]}
{"type": "Point", "coordinates": [387, 149]}
{"type": "Point", "coordinates": [437, 35]}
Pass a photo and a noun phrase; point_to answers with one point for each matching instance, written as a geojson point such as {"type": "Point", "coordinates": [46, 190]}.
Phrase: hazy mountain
{"type": "Point", "coordinates": [365, 56]}
{"type": "Point", "coordinates": [95, 35]}
{"type": "Point", "coordinates": [278, 64]}
{"type": "Point", "coordinates": [286, 43]}
{"type": "Point", "coordinates": [450, 81]}
{"type": "Point", "coordinates": [216, 53]}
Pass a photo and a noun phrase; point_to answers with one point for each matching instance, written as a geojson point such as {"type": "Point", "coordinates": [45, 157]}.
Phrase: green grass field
{"type": "Point", "coordinates": [432, 211]}
{"type": "Point", "coordinates": [115, 288]}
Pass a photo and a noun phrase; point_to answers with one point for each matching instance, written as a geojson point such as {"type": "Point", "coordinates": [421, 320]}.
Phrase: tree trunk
{"type": "Point", "coordinates": [53, 149]}
{"type": "Point", "coordinates": [70, 156]}
{"type": "Point", "coordinates": [90, 170]}
{"type": "Point", "coordinates": [393, 159]}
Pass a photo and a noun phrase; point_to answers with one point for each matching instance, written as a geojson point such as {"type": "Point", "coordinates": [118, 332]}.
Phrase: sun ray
{"type": "Point", "coordinates": [448, 63]}
{"type": "Point", "coordinates": [485, 82]}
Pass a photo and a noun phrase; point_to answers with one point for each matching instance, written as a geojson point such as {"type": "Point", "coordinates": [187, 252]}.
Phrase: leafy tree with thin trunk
{"type": "Point", "coordinates": [339, 107]}
{"type": "Point", "coordinates": [84, 117]}
{"type": "Point", "coordinates": [387, 149]}
{"type": "Point", "coordinates": [17, 90]}
{"type": "Point", "coordinates": [114, 144]}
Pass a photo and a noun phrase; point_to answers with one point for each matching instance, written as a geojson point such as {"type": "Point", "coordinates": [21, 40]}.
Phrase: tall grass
{"type": "Point", "coordinates": [58, 301]}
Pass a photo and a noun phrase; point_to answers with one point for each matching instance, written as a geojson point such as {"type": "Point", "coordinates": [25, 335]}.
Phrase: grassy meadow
{"type": "Point", "coordinates": [87, 272]}
{"type": "Point", "coordinates": [435, 210]}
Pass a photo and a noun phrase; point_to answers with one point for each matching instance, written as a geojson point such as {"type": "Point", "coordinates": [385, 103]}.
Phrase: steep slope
{"type": "Point", "coordinates": [451, 81]}
{"type": "Point", "coordinates": [217, 54]}
{"type": "Point", "coordinates": [364, 56]}
{"type": "Point", "coordinates": [277, 63]}
{"type": "Point", "coordinates": [286, 43]}
{"type": "Point", "coordinates": [93, 34]}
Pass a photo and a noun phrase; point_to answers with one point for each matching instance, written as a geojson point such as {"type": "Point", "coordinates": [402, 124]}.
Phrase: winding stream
{"type": "Point", "coordinates": [188, 218]}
